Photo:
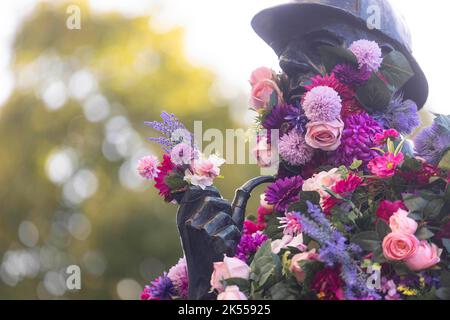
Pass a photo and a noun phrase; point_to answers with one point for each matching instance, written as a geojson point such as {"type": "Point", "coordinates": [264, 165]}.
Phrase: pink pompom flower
{"type": "Point", "coordinates": [368, 53]}
{"type": "Point", "coordinates": [322, 103]}
{"type": "Point", "coordinates": [148, 167]}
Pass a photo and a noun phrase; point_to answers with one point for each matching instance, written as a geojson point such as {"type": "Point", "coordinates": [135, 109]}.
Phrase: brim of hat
{"type": "Point", "coordinates": [274, 25]}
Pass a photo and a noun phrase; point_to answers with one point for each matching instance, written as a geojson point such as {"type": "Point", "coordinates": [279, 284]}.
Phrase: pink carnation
{"type": "Point", "coordinates": [148, 167]}
{"type": "Point", "coordinates": [322, 104]}
{"type": "Point", "coordinates": [368, 53]}
{"type": "Point", "coordinates": [178, 274]}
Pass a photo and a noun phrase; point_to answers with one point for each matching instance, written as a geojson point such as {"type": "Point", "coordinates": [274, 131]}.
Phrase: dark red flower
{"type": "Point", "coordinates": [328, 285]}
{"type": "Point", "coordinates": [388, 208]}
{"type": "Point", "coordinates": [164, 168]}
{"type": "Point", "coordinates": [343, 188]}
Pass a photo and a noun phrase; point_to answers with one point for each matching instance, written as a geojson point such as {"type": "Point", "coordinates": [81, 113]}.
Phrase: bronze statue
{"type": "Point", "coordinates": [209, 225]}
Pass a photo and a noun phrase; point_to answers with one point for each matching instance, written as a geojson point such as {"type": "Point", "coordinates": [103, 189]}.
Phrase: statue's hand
{"type": "Point", "coordinates": [207, 233]}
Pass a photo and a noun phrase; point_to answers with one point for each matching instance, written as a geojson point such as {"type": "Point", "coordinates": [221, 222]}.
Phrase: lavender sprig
{"type": "Point", "coordinates": [172, 130]}
{"type": "Point", "coordinates": [335, 250]}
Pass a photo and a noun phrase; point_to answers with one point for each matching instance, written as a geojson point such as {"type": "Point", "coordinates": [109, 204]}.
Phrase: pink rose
{"type": "Point", "coordinates": [263, 154]}
{"type": "Point", "coordinates": [262, 92]}
{"type": "Point", "coordinates": [386, 165]}
{"type": "Point", "coordinates": [229, 268]}
{"type": "Point", "coordinates": [399, 222]}
{"type": "Point", "coordinates": [263, 86]}
{"type": "Point", "coordinates": [288, 240]}
{"type": "Point", "coordinates": [324, 135]}
{"type": "Point", "coordinates": [426, 256]}
{"type": "Point", "coordinates": [260, 74]}
{"type": "Point", "coordinates": [321, 181]}
{"type": "Point", "coordinates": [399, 246]}
{"type": "Point", "coordinates": [295, 267]}
{"type": "Point", "coordinates": [232, 293]}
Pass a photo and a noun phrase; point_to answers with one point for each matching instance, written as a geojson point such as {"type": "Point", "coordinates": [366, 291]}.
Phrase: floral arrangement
{"type": "Point", "coordinates": [182, 165]}
{"type": "Point", "coordinates": [357, 212]}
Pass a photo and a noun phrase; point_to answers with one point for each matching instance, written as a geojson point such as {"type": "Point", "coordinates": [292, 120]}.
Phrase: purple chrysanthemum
{"type": "Point", "coordinates": [283, 192]}
{"type": "Point", "coordinates": [294, 150]}
{"type": "Point", "coordinates": [358, 139]}
{"type": "Point", "coordinates": [159, 289]}
{"type": "Point", "coordinates": [401, 115]}
{"type": "Point", "coordinates": [249, 244]}
{"type": "Point", "coordinates": [351, 76]}
{"type": "Point", "coordinates": [432, 142]}
{"type": "Point", "coordinates": [322, 103]}
{"type": "Point", "coordinates": [178, 274]}
{"type": "Point", "coordinates": [368, 53]}
{"type": "Point", "coordinates": [277, 117]}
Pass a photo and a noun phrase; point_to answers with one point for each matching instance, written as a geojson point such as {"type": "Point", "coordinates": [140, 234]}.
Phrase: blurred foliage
{"type": "Point", "coordinates": [139, 72]}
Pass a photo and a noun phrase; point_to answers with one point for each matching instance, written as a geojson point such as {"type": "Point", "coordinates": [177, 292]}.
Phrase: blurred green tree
{"type": "Point", "coordinates": [71, 133]}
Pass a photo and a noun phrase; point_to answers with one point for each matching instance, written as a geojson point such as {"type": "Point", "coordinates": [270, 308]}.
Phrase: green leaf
{"type": "Point", "coordinates": [383, 229]}
{"type": "Point", "coordinates": [444, 164]}
{"type": "Point", "coordinates": [273, 100]}
{"type": "Point", "coordinates": [332, 56]}
{"type": "Point", "coordinates": [424, 234]}
{"type": "Point", "coordinates": [175, 181]}
{"type": "Point", "coordinates": [368, 240]}
{"type": "Point", "coordinates": [243, 284]}
{"type": "Point", "coordinates": [374, 95]}
{"type": "Point", "coordinates": [305, 196]}
{"type": "Point", "coordinates": [356, 164]}
{"type": "Point", "coordinates": [396, 70]}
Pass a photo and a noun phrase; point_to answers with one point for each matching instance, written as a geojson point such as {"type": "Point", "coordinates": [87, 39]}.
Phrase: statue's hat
{"type": "Point", "coordinates": [275, 26]}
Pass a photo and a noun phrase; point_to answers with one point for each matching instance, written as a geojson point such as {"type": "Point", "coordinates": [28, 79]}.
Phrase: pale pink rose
{"type": "Point", "coordinates": [399, 246]}
{"type": "Point", "coordinates": [204, 171]}
{"type": "Point", "coordinates": [295, 267]}
{"type": "Point", "coordinates": [229, 268]}
{"type": "Point", "coordinates": [262, 92]}
{"type": "Point", "coordinates": [232, 293]}
{"type": "Point", "coordinates": [263, 154]}
{"type": "Point", "coordinates": [288, 240]}
{"type": "Point", "coordinates": [321, 181]}
{"type": "Point", "coordinates": [261, 74]}
{"type": "Point", "coordinates": [324, 135]}
{"type": "Point", "coordinates": [426, 256]}
{"type": "Point", "coordinates": [399, 222]}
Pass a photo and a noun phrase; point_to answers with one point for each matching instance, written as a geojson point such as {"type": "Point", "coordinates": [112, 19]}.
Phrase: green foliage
{"type": "Point", "coordinates": [332, 56]}
{"type": "Point", "coordinates": [374, 95]}
{"type": "Point", "coordinates": [367, 240]}
{"type": "Point", "coordinates": [396, 70]}
{"type": "Point", "coordinates": [266, 268]}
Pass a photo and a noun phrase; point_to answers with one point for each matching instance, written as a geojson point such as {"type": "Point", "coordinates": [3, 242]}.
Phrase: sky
{"type": "Point", "coordinates": [219, 36]}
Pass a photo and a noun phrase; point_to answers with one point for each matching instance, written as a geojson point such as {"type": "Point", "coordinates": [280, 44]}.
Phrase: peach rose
{"type": "Point", "coordinates": [295, 267]}
{"type": "Point", "coordinates": [426, 256]}
{"type": "Point", "coordinates": [229, 268]}
{"type": "Point", "coordinates": [399, 246]}
{"type": "Point", "coordinates": [262, 92]}
{"type": "Point", "coordinates": [232, 293]}
{"type": "Point", "coordinates": [321, 181]}
{"type": "Point", "coordinates": [399, 222]}
{"type": "Point", "coordinates": [324, 135]}
{"type": "Point", "coordinates": [260, 74]}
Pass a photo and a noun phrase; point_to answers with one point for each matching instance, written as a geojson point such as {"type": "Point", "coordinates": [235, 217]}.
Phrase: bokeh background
{"type": "Point", "coordinates": [72, 107]}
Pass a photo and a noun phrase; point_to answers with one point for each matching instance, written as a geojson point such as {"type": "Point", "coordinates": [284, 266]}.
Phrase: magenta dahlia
{"type": "Point", "coordinates": [358, 139]}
